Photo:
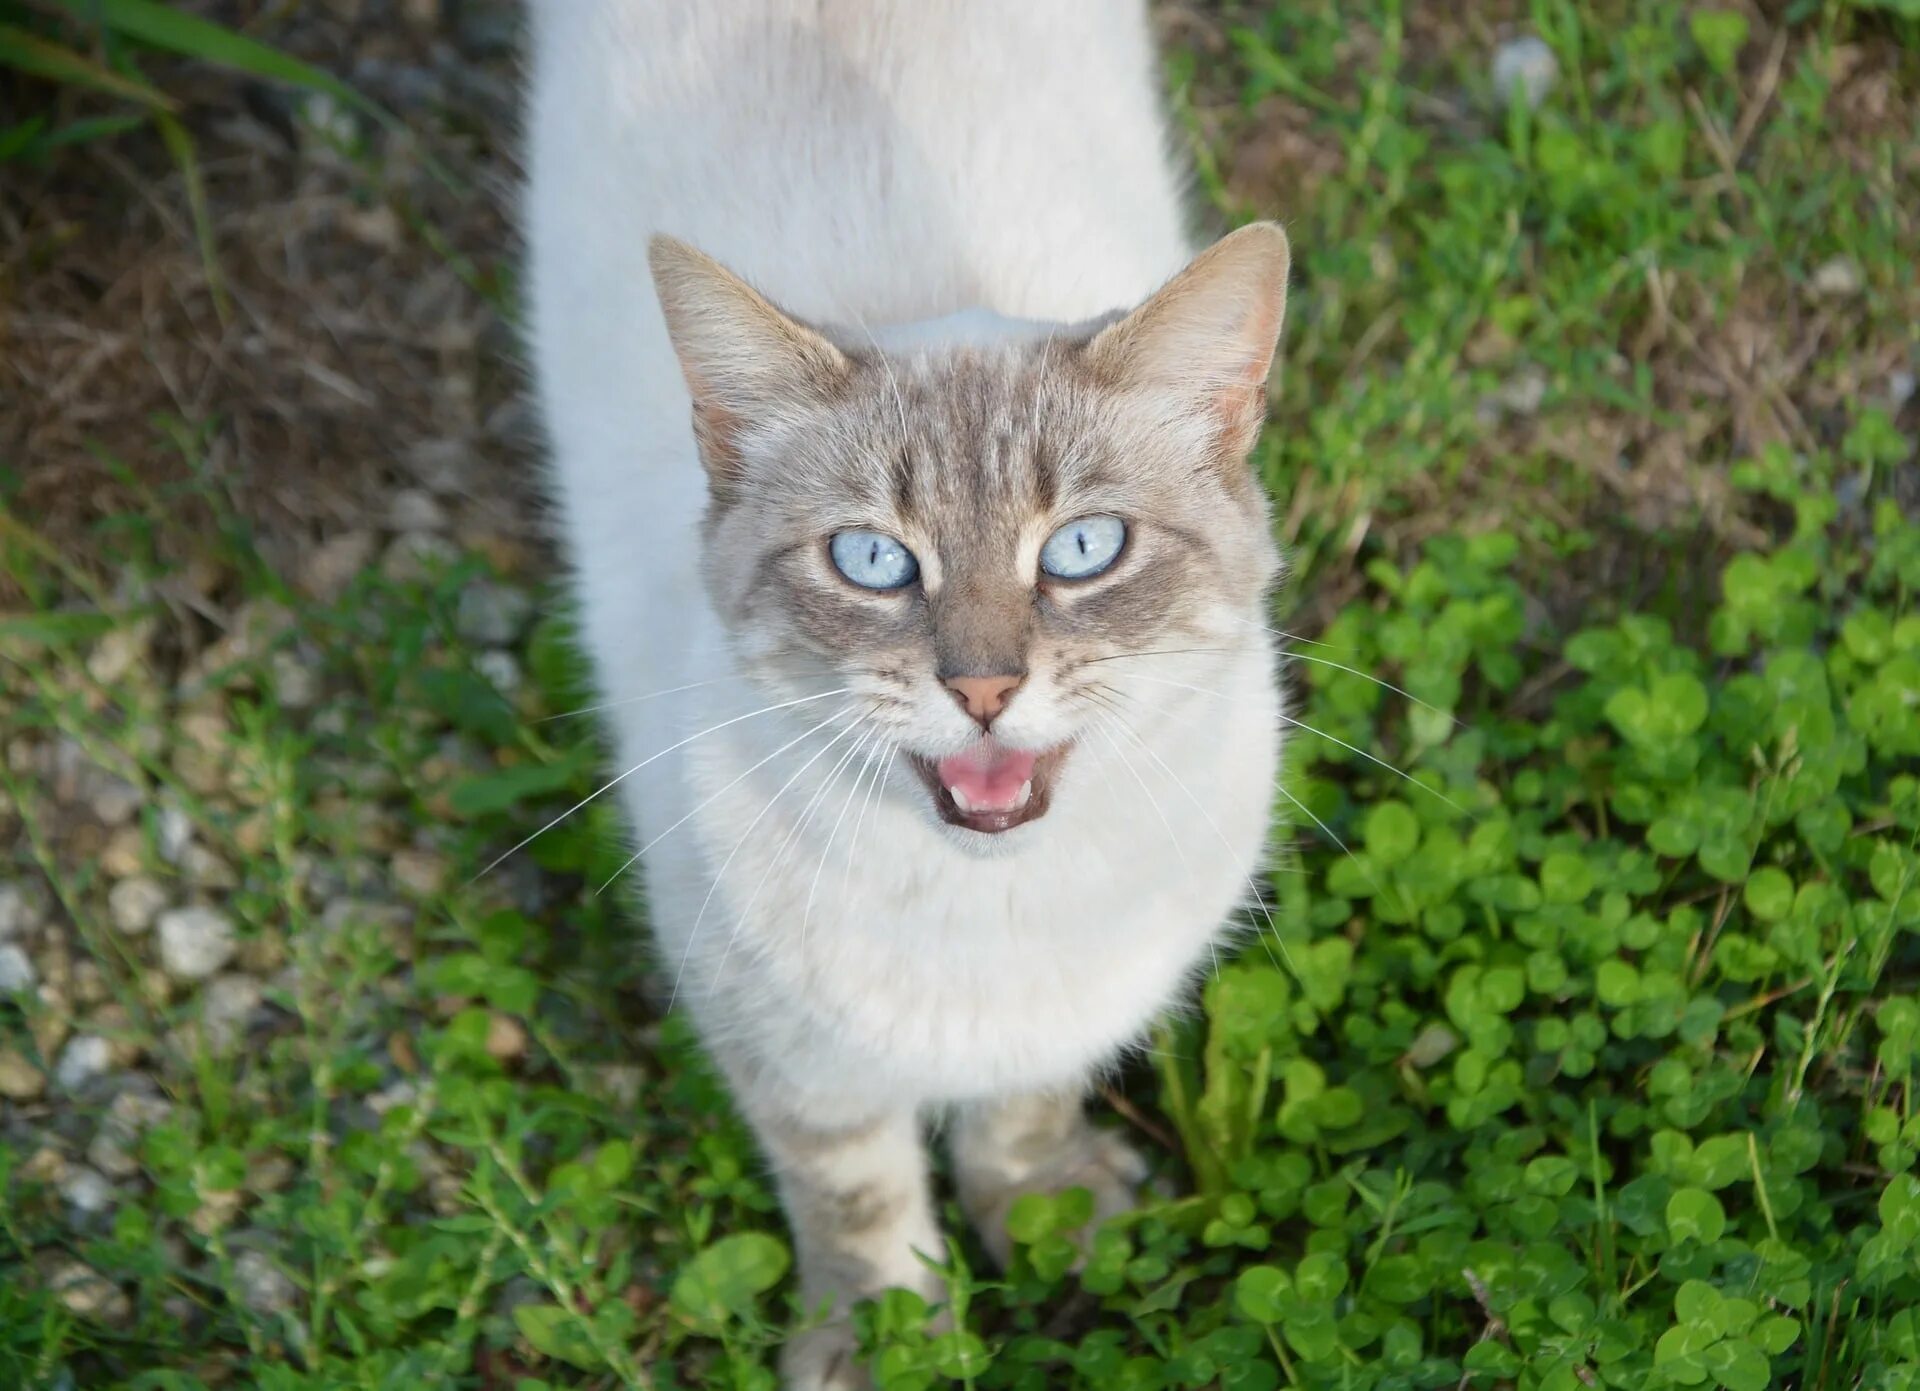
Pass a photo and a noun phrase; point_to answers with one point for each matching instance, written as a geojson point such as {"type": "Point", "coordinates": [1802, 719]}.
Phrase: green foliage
{"type": "Point", "coordinates": [1584, 1058]}
{"type": "Point", "coordinates": [93, 54]}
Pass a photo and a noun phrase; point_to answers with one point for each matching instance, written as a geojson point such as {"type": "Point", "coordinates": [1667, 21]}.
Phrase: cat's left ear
{"type": "Point", "coordinates": [1206, 340]}
{"type": "Point", "coordinates": [743, 359]}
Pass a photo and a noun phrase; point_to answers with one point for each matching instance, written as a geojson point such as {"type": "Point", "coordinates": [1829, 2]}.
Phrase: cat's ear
{"type": "Point", "coordinates": [743, 359]}
{"type": "Point", "coordinates": [1207, 339]}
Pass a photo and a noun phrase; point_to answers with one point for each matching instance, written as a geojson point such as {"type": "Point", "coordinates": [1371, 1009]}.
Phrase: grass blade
{"type": "Point", "coordinates": [31, 54]}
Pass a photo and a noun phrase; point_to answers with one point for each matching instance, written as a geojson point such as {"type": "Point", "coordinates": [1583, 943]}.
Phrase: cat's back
{"type": "Point", "coordinates": [859, 160]}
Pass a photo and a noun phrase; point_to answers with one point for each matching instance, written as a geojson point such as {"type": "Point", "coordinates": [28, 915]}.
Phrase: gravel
{"type": "Point", "coordinates": [17, 975]}
{"type": "Point", "coordinates": [491, 615]}
{"type": "Point", "coordinates": [19, 913]}
{"type": "Point", "coordinates": [85, 1057]}
{"type": "Point", "coordinates": [264, 1287]}
{"type": "Point", "coordinates": [195, 942]}
{"type": "Point", "coordinates": [86, 1190]}
{"type": "Point", "coordinates": [1527, 63]}
{"type": "Point", "coordinates": [20, 1080]}
{"type": "Point", "coordinates": [135, 902]}
{"type": "Point", "coordinates": [88, 1293]}
{"type": "Point", "coordinates": [228, 1008]}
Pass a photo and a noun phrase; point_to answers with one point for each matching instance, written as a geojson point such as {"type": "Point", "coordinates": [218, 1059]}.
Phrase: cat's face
{"type": "Point", "coordinates": [993, 549]}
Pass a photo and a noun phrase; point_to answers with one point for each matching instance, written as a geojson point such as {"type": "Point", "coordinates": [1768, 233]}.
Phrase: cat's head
{"type": "Point", "coordinates": [987, 544]}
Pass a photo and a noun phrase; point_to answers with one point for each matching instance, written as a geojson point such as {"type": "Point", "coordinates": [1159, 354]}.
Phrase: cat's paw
{"type": "Point", "coordinates": [823, 1359]}
{"type": "Point", "coordinates": [1096, 1160]}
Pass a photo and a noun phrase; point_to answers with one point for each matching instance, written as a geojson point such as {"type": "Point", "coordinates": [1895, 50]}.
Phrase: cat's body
{"type": "Point", "coordinates": [961, 182]}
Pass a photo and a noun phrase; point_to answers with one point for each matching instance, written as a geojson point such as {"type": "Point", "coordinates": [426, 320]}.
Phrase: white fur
{"type": "Point", "coordinates": [879, 165]}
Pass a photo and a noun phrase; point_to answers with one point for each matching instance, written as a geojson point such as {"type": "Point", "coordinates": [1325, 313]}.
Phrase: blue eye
{"type": "Point", "coordinates": [1080, 550]}
{"type": "Point", "coordinates": [871, 560]}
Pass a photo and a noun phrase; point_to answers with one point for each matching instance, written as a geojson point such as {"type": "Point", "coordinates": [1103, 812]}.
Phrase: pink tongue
{"type": "Point", "coordinates": [990, 776]}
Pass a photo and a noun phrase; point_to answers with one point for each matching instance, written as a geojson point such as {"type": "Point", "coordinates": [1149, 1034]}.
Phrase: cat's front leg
{"type": "Point", "coordinates": [1040, 1143]}
{"type": "Point", "coordinates": [857, 1203]}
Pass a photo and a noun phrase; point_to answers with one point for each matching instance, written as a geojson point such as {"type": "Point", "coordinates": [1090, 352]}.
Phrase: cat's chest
{"type": "Point", "coordinates": [951, 976]}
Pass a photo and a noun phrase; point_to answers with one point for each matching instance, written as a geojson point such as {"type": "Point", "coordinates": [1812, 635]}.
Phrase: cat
{"type": "Point", "coordinates": [899, 444]}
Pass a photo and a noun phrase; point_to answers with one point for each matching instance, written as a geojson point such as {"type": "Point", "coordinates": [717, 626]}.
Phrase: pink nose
{"type": "Point", "coordinates": [983, 697]}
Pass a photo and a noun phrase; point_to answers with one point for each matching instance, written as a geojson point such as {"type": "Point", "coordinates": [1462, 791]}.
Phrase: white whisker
{"type": "Point", "coordinates": [634, 700]}
{"type": "Point", "coordinates": [1303, 725]}
{"type": "Point", "coordinates": [800, 824]}
{"type": "Point", "coordinates": [652, 758]}
{"type": "Point", "coordinates": [870, 759]}
{"type": "Point", "coordinates": [1212, 825]}
{"type": "Point", "coordinates": [693, 934]}
{"type": "Point", "coordinates": [853, 841]}
{"type": "Point", "coordinates": [628, 864]}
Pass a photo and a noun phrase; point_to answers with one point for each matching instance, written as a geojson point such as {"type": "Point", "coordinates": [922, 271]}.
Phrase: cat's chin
{"type": "Point", "coordinates": [991, 818]}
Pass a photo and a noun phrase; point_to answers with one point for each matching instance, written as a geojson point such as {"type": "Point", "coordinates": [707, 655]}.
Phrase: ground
{"type": "Point", "coordinates": [1574, 1040]}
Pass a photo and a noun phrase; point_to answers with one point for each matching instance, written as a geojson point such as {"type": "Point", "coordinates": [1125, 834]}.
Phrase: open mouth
{"type": "Point", "coordinates": [989, 787]}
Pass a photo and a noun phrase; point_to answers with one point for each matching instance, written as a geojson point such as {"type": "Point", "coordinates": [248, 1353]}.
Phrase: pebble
{"type": "Point", "coordinates": [264, 1287]}
{"type": "Point", "coordinates": [1900, 387]}
{"type": "Point", "coordinates": [17, 975]}
{"type": "Point", "coordinates": [125, 853]}
{"type": "Point", "coordinates": [86, 1190]}
{"type": "Point", "coordinates": [206, 870]}
{"type": "Point", "coordinates": [506, 1037]}
{"type": "Point", "coordinates": [422, 872]}
{"type": "Point", "coordinates": [332, 566]}
{"type": "Point", "coordinates": [1523, 394]}
{"type": "Point", "coordinates": [296, 684]}
{"type": "Point", "coordinates": [491, 615]}
{"type": "Point", "coordinates": [500, 669]}
{"type": "Point", "coordinates": [175, 832]}
{"type": "Point", "coordinates": [86, 1292]}
{"type": "Point", "coordinates": [19, 914]}
{"type": "Point", "coordinates": [228, 1009]}
{"type": "Point", "coordinates": [85, 1057]}
{"type": "Point", "coordinates": [131, 1115]}
{"type": "Point", "coordinates": [443, 465]}
{"type": "Point", "coordinates": [20, 1080]}
{"type": "Point", "coordinates": [119, 652]}
{"type": "Point", "coordinates": [135, 902]}
{"type": "Point", "coordinates": [113, 800]}
{"type": "Point", "coordinates": [1837, 279]}
{"type": "Point", "coordinates": [416, 509]}
{"type": "Point", "coordinates": [195, 942]}
{"type": "Point", "coordinates": [1527, 63]}
{"type": "Point", "coordinates": [414, 557]}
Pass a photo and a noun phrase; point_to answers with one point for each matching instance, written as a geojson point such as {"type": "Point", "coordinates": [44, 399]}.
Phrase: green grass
{"type": "Point", "coordinates": [1585, 1057]}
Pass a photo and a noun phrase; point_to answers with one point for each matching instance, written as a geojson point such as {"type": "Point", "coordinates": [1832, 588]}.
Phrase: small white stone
{"type": "Point", "coordinates": [500, 669]}
{"type": "Point", "coordinates": [17, 975]}
{"type": "Point", "coordinates": [491, 615]}
{"type": "Point", "coordinates": [264, 1288]}
{"type": "Point", "coordinates": [175, 833]}
{"type": "Point", "coordinates": [134, 903]}
{"type": "Point", "coordinates": [85, 1057]}
{"type": "Point", "coordinates": [88, 1293]}
{"type": "Point", "coordinates": [112, 799]}
{"type": "Point", "coordinates": [86, 1190]}
{"type": "Point", "coordinates": [1900, 388]}
{"type": "Point", "coordinates": [295, 683]}
{"type": "Point", "coordinates": [130, 1116]}
{"type": "Point", "coordinates": [416, 509]}
{"type": "Point", "coordinates": [416, 556]}
{"type": "Point", "coordinates": [195, 942]}
{"type": "Point", "coordinates": [1527, 63]}
{"type": "Point", "coordinates": [228, 1008]}
{"type": "Point", "coordinates": [18, 912]}
{"type": "Point", "coordinates": [1837, 279]}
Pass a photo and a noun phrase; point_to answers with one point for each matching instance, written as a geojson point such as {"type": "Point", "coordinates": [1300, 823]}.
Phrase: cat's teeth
{"type": "Point", "coordinates": [960, 799]}
{"type": "Point", "coordinates": [1025, 796]}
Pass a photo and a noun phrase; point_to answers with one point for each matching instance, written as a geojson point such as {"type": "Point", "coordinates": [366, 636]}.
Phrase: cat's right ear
{"type": "Point", "coordinates": [743, 359]}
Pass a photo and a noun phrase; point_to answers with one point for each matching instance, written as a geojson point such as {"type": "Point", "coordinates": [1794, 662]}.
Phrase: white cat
{"type": "Point", "coordinates": [928, 603]}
